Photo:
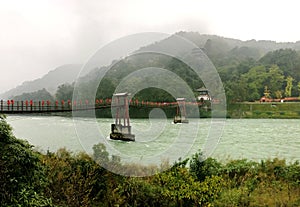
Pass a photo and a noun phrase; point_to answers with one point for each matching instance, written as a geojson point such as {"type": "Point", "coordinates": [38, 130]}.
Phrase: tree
{"type": "Point", "coordinates": [105, 89]}
{"type": "Point", "coordinates": [180, 188]}
{"type": "Point", "coordinates": [267, 92]}
{"type": "Point", "coordinates": [275, 78]}
{"type": "Point", "coordinates": [64, 92]}
{"type": "Point", "coordinates": [251, 85]}
{"type": "Point", "coordinates": [202, 169]}
{"type": "Point", "coordinates": [289, 86]}
{"type": "Point", "coordinates": [255, 81]}
{"type": "Point", "coordinates": [22, 177]}
{"type": "Point", "coordinates": [287, 59]}
{"type": "Point", "coordinates": [76, 179]}
{"type": "Point", "coordinates": [278, 94]}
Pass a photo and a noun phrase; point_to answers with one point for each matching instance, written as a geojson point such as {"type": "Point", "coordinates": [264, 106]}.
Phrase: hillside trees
{"type": "Point", "coordinates": [287, 60]}
{"type": "Point", "coordinates": [42, 94]}
{"type": "Point", "coordinates": [105, 89]}
{"type": "Point", "coordinates": [64, 92]}
{"type": "Point", "coordinates": [250, 86]}
{"type": "Point", "coordinates": [232, 58]}
{"type": "Point", "coordinates": [289, 85]}
{"type": "Point", "coordinates": [277, 71]}
{"type": "Point", "coordinates": [243, 74]}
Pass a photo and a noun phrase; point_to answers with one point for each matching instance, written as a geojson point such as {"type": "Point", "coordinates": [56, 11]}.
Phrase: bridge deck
{"type": "Point", "coordinates": [25, 107]}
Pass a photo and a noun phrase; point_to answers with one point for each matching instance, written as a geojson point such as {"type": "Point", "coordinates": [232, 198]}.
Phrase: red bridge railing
{"type": "Point", "coordinates": [30, 106]}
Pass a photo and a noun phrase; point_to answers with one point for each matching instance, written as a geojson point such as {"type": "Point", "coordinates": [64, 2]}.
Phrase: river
{"type": "Point", "coordinates": [253, 139]}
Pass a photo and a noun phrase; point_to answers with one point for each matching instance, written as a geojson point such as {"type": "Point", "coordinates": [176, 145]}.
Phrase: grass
{"type": "Point", "coordinates": [289, 110]}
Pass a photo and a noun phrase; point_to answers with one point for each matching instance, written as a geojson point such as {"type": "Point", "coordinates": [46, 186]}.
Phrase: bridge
{"type": "Point", "coordinates": [120, 130]}
{"type": "Point", "coordinates": [29, 106]}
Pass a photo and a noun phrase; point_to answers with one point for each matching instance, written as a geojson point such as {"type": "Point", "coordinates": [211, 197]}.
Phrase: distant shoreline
{"type": "Point", "coordinates": [286, 110]}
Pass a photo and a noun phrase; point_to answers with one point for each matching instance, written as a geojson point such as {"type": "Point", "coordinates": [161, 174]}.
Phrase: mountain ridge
{"type": "Point", "coordinates": [216, 47]}
{"type": "Point", "coordinates": [63, 74]}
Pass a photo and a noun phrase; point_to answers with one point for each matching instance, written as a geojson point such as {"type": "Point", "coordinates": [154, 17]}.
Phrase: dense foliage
{"type": "Point", "coordinates": [248, 70]}
{"type": "Point", "coordinates": [246, 74]}
{"type": "Point", "coordinates": [22, 174]}
{"type": "Point", "coordinates": [64, 92]}
{"type": "Point", "coordinates": [276, 73]}
{"type": "Point", "coordinates": [63, 178]}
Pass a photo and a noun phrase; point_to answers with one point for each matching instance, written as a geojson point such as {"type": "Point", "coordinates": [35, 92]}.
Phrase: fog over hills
{"type": "Point", "coordinates": [224, 44]}
{"type": "Point", "coordinates": [216, 47]}
{"type": "Point", "coordinates": [62, 74]}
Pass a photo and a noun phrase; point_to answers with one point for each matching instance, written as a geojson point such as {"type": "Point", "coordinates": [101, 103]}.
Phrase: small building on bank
{"type": "Point", "coordinates": [203, 94]}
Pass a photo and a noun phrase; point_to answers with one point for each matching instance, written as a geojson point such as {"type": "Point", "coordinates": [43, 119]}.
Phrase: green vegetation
{"type": "Point", "coordinates": [22, 174]}
{"type": "Point", "coordinates": [64, 92]}
{"type": "Point", "coordinates": [250, 78]}
{"type": "Point", "coordinates": [246, 70]}
{"type": "Point", "coordinates": [264, 110]}
{"type": "Point", "coordinates": [29, 178]}
{"type": "Point", "coordinates": [35, 96]}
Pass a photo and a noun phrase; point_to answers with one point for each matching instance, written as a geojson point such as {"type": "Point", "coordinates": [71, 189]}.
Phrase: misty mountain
{"type": "Point", "coordinates": [223, 52]}
{"type": "Point", "coordinates": [238, 63]}
{"type": "Point", "coordinates": [50, 81]}
{"type": "Point", "coordinates": [228, 44]}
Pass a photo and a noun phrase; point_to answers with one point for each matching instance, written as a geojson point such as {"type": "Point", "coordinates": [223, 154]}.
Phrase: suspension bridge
{"type": "Point", "coordinates": [29, 106]}
{"type": "Point", "coordinates": [120, 129]}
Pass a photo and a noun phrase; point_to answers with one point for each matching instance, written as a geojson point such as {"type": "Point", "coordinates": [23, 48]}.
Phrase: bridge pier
{"type": "Point", "coordinates": [180, 116]}
{"type": "Point", "coordinates": [121, 129]}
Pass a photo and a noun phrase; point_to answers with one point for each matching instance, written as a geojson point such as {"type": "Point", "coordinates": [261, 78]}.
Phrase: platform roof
{"type": "Point", "coordinates": [202, 89]}
{"type": "Point", "coordinates": [121, 94]}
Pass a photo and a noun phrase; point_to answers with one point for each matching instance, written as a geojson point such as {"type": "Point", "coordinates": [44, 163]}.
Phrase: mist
{"type": "Point", "coordinates": [39, 36]}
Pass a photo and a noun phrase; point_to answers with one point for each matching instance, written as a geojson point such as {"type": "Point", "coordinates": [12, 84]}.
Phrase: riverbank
{"type": "Point", "coordinates": [277, 110]}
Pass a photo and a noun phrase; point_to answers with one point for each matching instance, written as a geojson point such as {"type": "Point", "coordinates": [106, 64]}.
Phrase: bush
{"type": "Point", "coordinates": [22, 177]}
{"type": "Point", "coordinates": [201, 168]}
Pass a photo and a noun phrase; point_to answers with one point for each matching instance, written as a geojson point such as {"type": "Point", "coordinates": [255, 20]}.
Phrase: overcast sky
{"type": "Point", "coordinates": [37, 36]}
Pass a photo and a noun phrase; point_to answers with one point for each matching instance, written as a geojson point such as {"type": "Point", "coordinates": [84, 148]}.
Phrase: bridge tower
{"type": "Point", "coordinates": [181, 112]}
{"type": "Point", "coordinates": [121, 129]}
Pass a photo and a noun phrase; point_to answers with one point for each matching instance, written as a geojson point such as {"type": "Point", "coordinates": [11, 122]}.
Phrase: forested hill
{"type": "Point", "coordinates": [247, 68]}
{"type": "Point", "coordinates": [263, 46]}
{"type": "Point", "coordinates": [216, 45]}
